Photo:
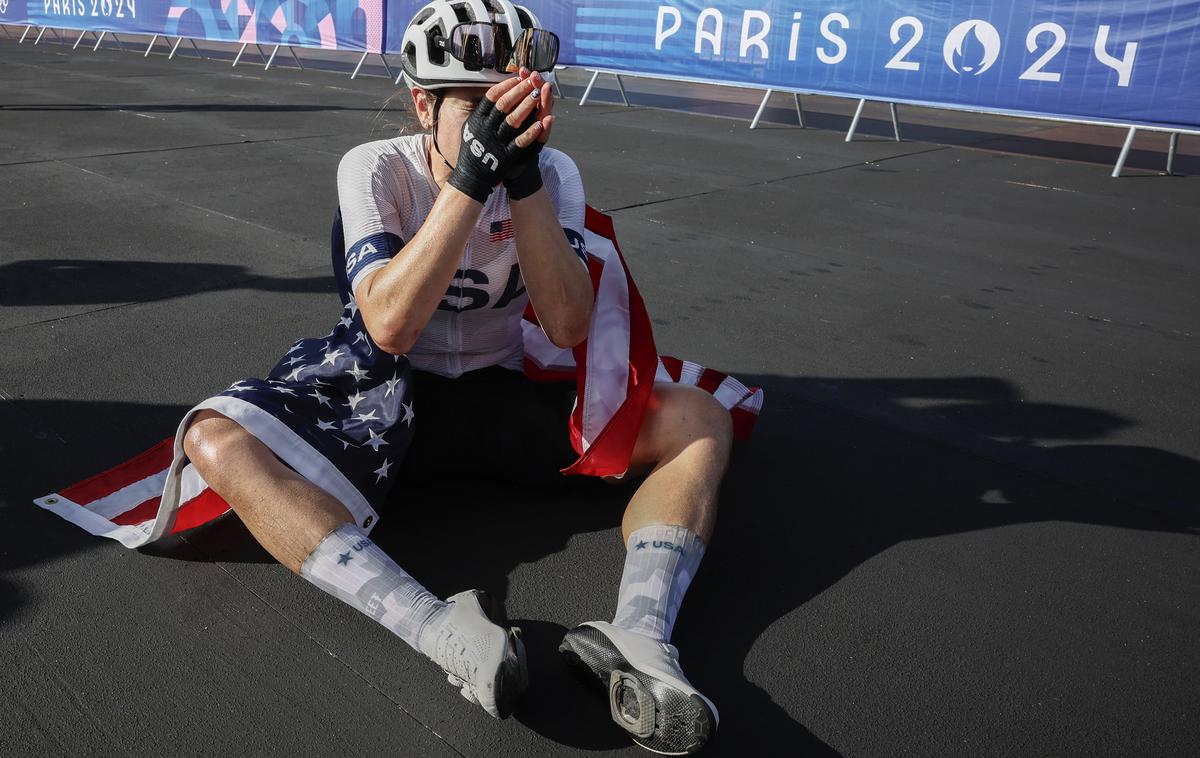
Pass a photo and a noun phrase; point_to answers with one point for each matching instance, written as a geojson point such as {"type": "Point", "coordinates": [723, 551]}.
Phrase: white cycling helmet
{"type": "Point", "coordinates": [432, 68]}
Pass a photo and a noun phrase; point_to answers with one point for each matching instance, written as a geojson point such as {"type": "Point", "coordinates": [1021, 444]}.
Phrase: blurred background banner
{"type": "Point", "coordinates": [1106, 60]}
{"type": "Point", "coordinates": [357, 25]}
{"type": "Point", "coordinates": [1099, 60]}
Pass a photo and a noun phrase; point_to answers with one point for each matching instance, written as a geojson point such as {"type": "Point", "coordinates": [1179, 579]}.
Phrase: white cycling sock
{"type": "Point", "coordinates": [349, 566]}
{"type": "Point", "coordinates": [659, 565]}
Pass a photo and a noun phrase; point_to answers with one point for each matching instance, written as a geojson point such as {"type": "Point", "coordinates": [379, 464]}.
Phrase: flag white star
{"type": "Point", "coordinates": [295, 360]}
{"type": "Point", "coordinates": [382, 471]}
{"type": "Point", "coordinates": [368, 416]}
{"type": "Point", "coordinates": [362, 337]}
{"type": "Point", "coordinates": [289, 410]}
{"type": "Point", "coordinates": [295, 347]}
{"type": "Point", "coordinates": [408, 413]}
{"type": "Point", "coordinates": [239, 387]}
{"type": "Point", "coordinates": [321, 383]}
{"type": "Point", "coordinates": [355, 399]}
{"type": "Point", "coordinates": [356, 372]}
{"type": "Point", "coordinates": [321, 398]}
{"type": "Point", "coordinates": [325, 425]}
{"type": "Point", "coordinates": [376, 440]}
{"type": "Point", "coordinates": [331, 357]}
{"type": "Point", "coordinates": [353, 306]}
{"type": "Point", "coordinates": [345, 445]}
{"type": "Point", "coordinates": [345, 321]}
{"type": "Point", "coordinates": [285, 390]}
{"type": "Point", "coordinates": [295, 375]}
{"type": "Point", "coordinates": [391, 383]}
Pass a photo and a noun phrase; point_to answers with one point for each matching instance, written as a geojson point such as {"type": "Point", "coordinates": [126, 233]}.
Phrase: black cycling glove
{"type": "Point", "coordinates": [488, 151]}
{"type": "Point", "coordinates": [525, 176]}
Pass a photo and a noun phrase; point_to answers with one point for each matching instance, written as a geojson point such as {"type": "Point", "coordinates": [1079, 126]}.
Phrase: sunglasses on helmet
{"type": "Point", "coordinates": [479, 45]}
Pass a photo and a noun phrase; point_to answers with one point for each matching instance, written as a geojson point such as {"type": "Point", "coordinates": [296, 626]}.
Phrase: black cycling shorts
{"type": "Point", "coordinates": [489, 424]}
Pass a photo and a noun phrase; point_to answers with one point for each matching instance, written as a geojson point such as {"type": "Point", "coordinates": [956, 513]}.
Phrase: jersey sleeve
{"type": "Point", "coordinates": [565, 187]}
{"type": "Point", "coordinates": [370, 216]}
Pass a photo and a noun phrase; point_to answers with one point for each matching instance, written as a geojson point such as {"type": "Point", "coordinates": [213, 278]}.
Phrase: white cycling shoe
{"type": "Point", "coordinates": [484, 659]}
{"type": "Point", "coordinates": [648, 694]}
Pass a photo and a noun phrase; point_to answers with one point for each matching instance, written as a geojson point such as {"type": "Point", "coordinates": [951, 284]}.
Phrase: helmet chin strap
{"type": "Point", "coordinates": [437, 104]}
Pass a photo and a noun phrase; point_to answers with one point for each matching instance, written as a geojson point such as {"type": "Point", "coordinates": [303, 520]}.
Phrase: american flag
{"type": "Point", "coordinates": [340, 412]}
{"type": "Point", "coordinates": [501, 230]}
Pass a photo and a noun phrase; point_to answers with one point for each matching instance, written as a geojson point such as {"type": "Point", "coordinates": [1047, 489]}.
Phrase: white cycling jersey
{"type": "Point", "coordinates": [386, 191]}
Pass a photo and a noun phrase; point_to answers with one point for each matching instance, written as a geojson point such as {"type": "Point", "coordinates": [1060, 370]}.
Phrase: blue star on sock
{"type": "Point", "coordinates": [344, 558]}
{"type": "Point", "coordinates": [642, 545]}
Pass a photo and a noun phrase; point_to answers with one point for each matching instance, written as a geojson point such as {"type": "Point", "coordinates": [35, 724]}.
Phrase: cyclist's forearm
{"type": "Point", "coordinates": [401, 297]}
{"type": "Point", "coordinates": [559, 288]}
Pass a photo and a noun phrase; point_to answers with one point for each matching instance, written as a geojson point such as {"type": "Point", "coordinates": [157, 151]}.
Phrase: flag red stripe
{"type": "Point", "coordinates": [146, 464]}
{"type": "Point", "coordinates": [674, 366]}
{"type": "Point", "coordinates": [199, 510]}
{"type": "Point", "coordinates": [743, 423]}
{"type": "Point", "coordinates": [710, 380]}
{"type": "Point", "coordinates": [143, 511]}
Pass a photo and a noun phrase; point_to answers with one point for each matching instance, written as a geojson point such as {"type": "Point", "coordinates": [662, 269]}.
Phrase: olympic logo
{"type": "Point", "coordinates": [3, 6]}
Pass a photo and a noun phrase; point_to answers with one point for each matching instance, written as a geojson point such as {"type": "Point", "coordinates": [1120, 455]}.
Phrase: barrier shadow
{"type": "Point", "coordinates": [823, 487]}
{"type": "Point", "coordinates": [871, 126]}
{"type": "Point", "coordinates": [69, 281]}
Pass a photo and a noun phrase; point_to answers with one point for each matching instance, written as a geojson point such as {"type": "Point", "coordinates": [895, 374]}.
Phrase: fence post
{"type": "Point", "coordinates": [1172, 147]}
{"type": "Point", "coordinates": [1116, 173]}
{"type": "Point", "coordinates": [761, 107]}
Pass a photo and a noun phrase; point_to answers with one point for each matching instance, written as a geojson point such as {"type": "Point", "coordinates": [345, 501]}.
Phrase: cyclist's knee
{"type": "Point", "coordinates": [208, 436]}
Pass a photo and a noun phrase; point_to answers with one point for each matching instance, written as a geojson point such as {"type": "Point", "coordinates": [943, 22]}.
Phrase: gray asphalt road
{"type": "Point", "coordinates": [966, 524]}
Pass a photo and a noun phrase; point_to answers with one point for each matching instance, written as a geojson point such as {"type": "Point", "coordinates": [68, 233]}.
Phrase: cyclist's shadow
{"type": "Point", "coordinates": [816, 493]}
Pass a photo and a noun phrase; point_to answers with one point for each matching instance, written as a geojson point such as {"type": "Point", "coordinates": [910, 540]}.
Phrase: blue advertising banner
{"type": "Point", "coordinates": [324, 24]}
{"type": "Point", "coordinates": [1112, 60]}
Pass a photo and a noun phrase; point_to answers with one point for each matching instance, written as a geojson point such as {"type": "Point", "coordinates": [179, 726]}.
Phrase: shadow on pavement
{"type": "Point", "coordinates": [192, 108]}
{"type": "Point", "coordinates": [64, 281]}
{"type": "Point", "coordinates": [818, 492]}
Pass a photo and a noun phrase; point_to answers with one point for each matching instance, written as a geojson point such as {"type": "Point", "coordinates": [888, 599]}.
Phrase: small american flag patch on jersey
{"type": "Point", "coordinates": [501, 230]}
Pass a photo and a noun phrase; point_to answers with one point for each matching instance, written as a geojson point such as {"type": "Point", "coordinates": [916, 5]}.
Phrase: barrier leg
{"type": "Point", "coordinates": [360, 62]}
{"type": "Point", "coordinates": [588, 91]}
{"type": "Point", "coordinates": [82, 34]}
{"type": "Point", "coordinates": [239, 55]}
{"type": "Point", "coordinates": [761, 107]}
{"type": "Point", "coordinates": [799, 110]}
{"type": "Point", "coordinates": [295, 57]}
{"type": "Point", "coordinates": [854, 121]}
{"type": "Point", "coordinates": [386, 67]}
{"type": "Point", "coordinates": [272, 58]}
{"type": "Point", "coordinates": [557, 89]}
{"type": "Point", "coordinates": [197, 48]}
{"type": "Point", "coordinates": [261, 55]}
{"type": "Point", "coordinates": [150, 46]}
{"type": "Point", "coordinates": [57, 36]}
{"type": "Point", "coordinates": [99, 39]}
{"type": "Point", "coordinates": [26, 34]}
{"type": "Point", "coordinates": [895, 122]}
{"type": "Point", "coordinates": [120, 44]}
{"type": "Point", "coordinates": [621, 87]}
{"type": "Point", "coordinates": [1172, 147]}
{"type": "Point", "coordinates": [174, 48]}
{"type": "Point", "coordinates": [1124, 152]}
{"type": "Point", "coordinates": [39, 37]}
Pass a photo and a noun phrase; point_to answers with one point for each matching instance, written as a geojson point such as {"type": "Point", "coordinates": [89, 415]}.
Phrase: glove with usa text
{"type": "Point", "coordinates": [488, 152]}
{"type": "Point", "coordinates": [525, 176]}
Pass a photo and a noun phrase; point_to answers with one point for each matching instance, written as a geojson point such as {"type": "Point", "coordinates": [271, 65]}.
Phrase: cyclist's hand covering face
{"type": "Point", "coordinates": [495, 136]}
{"type": "Point", "coordinates": [525, 177]}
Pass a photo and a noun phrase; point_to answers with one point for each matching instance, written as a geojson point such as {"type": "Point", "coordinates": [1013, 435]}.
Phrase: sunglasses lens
{"type": "Point", "coordinates": [536, 50]}
{"type": "Point", "coordinates": [478, 45]}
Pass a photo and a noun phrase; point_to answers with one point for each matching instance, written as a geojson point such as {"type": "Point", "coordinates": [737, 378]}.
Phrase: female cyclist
{"type": "Point", "coordinates": [449, 234]}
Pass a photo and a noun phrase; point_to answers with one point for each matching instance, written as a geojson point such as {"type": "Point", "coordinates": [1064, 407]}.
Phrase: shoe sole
{"type": "Point", "coordinates": [682, 723]}
{"type": "Point", "coordinates": [512, 678]}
